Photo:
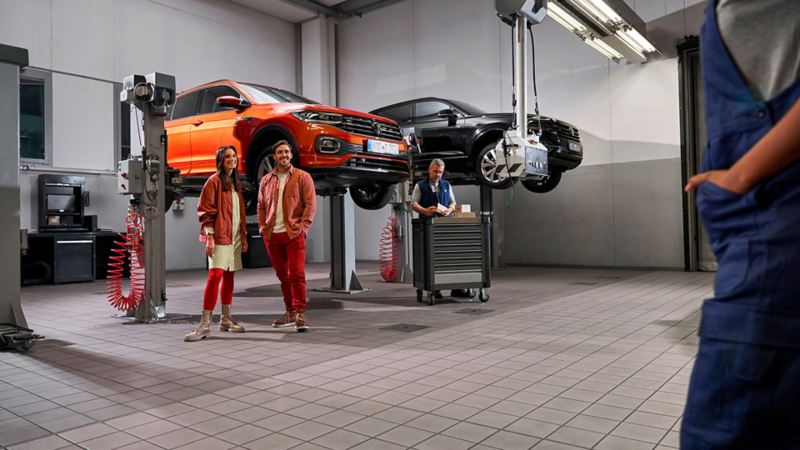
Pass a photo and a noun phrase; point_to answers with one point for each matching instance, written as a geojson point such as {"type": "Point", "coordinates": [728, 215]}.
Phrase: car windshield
{"type": "Point", "coordinates": [467, 108]}
{"type": "Point", "coordinates": [264, 94]}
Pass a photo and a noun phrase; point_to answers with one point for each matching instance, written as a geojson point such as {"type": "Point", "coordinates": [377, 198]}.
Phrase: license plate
{"type": "Point", "coordinates": [388, 148]}
{"type": "Point", "coordinates": [573, 147]}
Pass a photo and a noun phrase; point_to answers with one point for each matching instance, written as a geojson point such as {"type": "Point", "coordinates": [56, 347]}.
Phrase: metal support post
{"type": "Point", "coordinates": [11, 60]}
{"type": "Point", "coordinates": [151, 95]}
{"type": "Point", "coordinates": [343, 252]}
{"type": "Point", "coordinates": [401, 210]}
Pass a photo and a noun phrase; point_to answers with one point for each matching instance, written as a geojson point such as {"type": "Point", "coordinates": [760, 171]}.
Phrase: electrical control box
{"type": "Point", "coordinates": [130, 177]}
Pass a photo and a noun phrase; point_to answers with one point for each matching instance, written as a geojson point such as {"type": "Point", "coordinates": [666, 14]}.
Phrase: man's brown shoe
{"type": "Point", "coordinates": [300, 323]}
{"type": "Point", "coordinates": [287, 320]}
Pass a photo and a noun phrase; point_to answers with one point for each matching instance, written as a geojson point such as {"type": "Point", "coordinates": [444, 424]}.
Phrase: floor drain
{"type": "Point", "coordinates": [473, 311]}
{"type": "Point", "coordinates": [585, 283]}
{"type": "Point", "coordinates": [405, 327]}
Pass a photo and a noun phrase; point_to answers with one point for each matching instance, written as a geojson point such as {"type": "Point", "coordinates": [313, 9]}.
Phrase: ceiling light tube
{"type": "Point", "coordinates": [604, 48]}
{"type": "Point", "coordinates": [637, 37]}
{"type": "Point", "coordinates": [600, 10]}
{"type": "Point", "coordinates": [632, 44]}
{"type": "Point", "coordinates": [564, 18]}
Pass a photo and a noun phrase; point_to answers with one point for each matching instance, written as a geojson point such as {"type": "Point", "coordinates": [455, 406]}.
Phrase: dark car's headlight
{"type": "Point", "coordinates": [318, 117]}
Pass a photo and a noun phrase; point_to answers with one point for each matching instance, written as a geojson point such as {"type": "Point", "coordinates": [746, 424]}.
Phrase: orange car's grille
{"type": "Point", "coordinates": [369, 127]}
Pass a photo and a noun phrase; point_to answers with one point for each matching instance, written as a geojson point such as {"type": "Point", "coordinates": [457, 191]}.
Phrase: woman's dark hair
{"type": "Point", "coordinates": [223, 175]}
{"type": "Point", "coordinates": [279, 143]}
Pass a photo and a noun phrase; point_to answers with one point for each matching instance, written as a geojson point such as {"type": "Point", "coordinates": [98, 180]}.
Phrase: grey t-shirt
{"type": "Point", "coordinates": [763, 37]}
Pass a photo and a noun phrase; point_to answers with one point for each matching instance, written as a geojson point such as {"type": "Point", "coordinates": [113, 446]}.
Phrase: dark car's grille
{"type": "Point", "coordinates": [376, 164]}
{"type": "Point", "coordinates": [562, 129]}
{"type": "Point", "coordinates": [369, 127]}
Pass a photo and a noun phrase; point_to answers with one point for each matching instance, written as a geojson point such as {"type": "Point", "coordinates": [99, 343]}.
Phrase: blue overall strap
{"type": "Point", "coordinates": [756, 236]}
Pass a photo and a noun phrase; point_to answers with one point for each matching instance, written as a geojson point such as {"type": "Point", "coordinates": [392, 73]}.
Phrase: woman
{"type": "Point", "coordinates": [222, 217]}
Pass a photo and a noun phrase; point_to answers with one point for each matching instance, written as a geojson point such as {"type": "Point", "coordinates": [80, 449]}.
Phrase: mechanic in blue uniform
{"type": "Point", "coordinates": [744, 391]}
{"type": "Point", "coordinates": [431, 192]}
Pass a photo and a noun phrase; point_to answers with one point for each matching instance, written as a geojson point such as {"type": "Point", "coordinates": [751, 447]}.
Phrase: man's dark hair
{"type": "Point", "coordinates": [279, 143]}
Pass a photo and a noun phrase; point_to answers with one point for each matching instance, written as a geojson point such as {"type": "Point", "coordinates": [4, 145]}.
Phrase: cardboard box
{"type": "Point", "coordinates": [462, 208]}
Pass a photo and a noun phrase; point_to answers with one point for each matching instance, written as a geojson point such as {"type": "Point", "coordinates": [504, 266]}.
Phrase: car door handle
{"type": "Point", "coordinates": [197, 123]}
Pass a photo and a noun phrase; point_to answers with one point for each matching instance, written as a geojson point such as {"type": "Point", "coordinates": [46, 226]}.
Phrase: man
{"type": "Point", "coordinates": [286, 207]}
{"type": "Point", "coordinates": [433, 191]}
{"type": "Point", "coordinates": [744, 390]}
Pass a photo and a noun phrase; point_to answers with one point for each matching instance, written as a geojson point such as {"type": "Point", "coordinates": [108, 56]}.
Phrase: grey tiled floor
{"type": "Point", "coordinates": [563, 359]}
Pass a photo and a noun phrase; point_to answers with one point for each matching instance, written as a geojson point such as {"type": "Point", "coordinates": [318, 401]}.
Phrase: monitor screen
{"type": "Point", "coordinates": [61, 202]}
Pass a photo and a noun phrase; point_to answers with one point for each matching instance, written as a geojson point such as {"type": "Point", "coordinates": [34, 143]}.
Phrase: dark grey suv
{"type": "Point", "coordinates": [465, 137]}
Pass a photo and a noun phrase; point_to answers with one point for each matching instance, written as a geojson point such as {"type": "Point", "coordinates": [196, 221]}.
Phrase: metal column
{"type": "Point", "coordinates": [343, 252]}
{"type": "Point", "coordinates": [152, 94]}
{"type": "Point", "coordinates": [11, 60]}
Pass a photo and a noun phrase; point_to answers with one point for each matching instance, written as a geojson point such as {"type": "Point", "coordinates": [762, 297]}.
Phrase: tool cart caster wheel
{"type": "Point", "coordinates": [472, 292]}
{"type": "Point", "coordinates": [431, 298]}
{"type": "Point", "coordinates": [419, 295]}
{"type": "Point", "coordinates": [483, 296]}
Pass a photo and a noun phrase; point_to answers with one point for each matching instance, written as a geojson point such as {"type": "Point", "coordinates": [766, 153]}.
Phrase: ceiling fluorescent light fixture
{"type": "Point", "coordinates": [608, 26]}
{"type": "Point", "coordinates": [635, 40]}
{"type": "Point", "coordinates": [603, 48]}
{"type": "Point", "coordinates": [566, 19]}
{"type": "Point", "coordinates": [600, 10]}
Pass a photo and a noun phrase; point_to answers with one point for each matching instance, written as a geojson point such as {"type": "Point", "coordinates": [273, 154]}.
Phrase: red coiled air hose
{"type": "Point", "coordinates": [388, 251]}
{"type": "Point", "coordinates": [132, 247]}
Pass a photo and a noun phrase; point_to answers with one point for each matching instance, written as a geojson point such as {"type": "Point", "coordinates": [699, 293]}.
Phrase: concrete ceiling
{"type": "Point", "coordinates": [297, 11]}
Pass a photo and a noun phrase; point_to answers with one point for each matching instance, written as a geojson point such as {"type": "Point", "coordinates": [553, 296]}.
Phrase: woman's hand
{"type": "Point", "coordinates": [244, 244]}
{"type": "Point", "coordinates": [719, 177]}
{"type": "Point", "coordinates": [210, 246]}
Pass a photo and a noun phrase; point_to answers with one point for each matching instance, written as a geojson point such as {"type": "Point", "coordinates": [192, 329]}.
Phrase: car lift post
{"type": "Point", "coordinates": [12, 59]}
{"type": "Point", "coordinates": [151, 94]}
{"type": "Point", "coordinates": [343, 247]}
{"type": "Point", "coordinates": [401, 210]}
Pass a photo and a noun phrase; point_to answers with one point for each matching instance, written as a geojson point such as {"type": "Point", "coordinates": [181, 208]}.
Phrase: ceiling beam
{"type": "Point", "coordinates": [317, 7]}
{"type": "Point", "coordinates": [359, 7]}
{"type": "Point", "coordinates": [344, 9]}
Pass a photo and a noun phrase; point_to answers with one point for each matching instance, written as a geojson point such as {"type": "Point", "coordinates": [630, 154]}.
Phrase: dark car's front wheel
{"type": "Point", "coordinates": [372, 195]}
{"type": "Point", "coordinates": [486, 168]}
{"type": "Point", "coordinates": [545, 184]}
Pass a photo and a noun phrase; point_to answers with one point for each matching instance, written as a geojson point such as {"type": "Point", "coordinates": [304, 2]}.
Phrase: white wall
{"type": "Point", "coordinates": [459, 49]}
{"type": "Point", "coordinates": [90, 44]}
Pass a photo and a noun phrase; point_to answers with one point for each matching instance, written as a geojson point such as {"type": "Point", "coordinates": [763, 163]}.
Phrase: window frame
{"type": "Point", "coordinates": [409, 119]}
{"type": "Point", "coordinates": [199, 107]}
{"type": "Point", "coordinates": [194, 110]}
{"type": "Point", "coordinates": [46, 78]}
{"type": "Point", "coordinates": [431, 117]}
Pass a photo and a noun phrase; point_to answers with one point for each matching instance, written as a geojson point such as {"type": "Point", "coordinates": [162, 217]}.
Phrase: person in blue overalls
{"type": "Point", "coordinates": [433, 196]}
{"type": "Point", "coordinates": [433, 191]}
{"type": "Point", "coordinates": [744, 392]}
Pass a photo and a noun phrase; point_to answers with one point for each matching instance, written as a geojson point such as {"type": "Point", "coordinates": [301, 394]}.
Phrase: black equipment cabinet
{"type": "Point", "coordinates": [256, 255]}
{"type": "Point", "coordinates": [452, 253]}
{"type": "Point", "coordinates": [59, 258]}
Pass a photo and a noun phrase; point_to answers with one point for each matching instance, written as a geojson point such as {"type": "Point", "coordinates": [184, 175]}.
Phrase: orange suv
{"type": "Point", "coordinates": [340, 148]}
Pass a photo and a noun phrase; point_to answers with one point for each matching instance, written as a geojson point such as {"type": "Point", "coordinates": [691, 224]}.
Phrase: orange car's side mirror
{"type": "Point", "coordinates": [230, 101]}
